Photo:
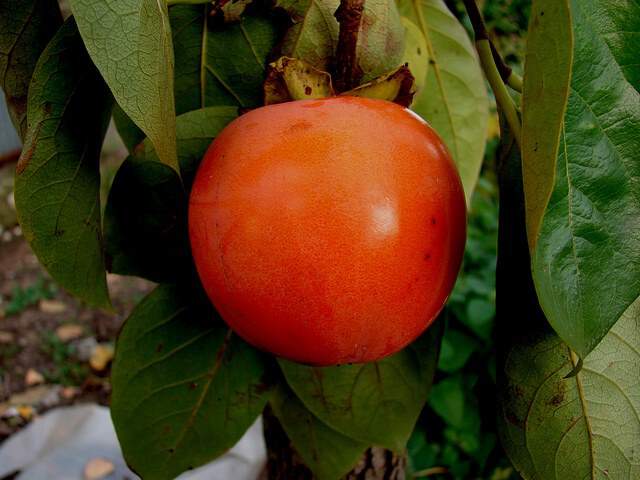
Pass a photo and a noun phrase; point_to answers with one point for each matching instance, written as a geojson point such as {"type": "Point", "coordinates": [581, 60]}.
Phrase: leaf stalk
{"type": "Point", "coordinates": [497, 72]}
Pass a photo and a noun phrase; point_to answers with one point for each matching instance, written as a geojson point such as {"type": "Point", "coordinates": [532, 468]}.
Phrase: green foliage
{"type": "Point", "coordinates": [141, 74]}
{"type": "Point", "coordinates": [26, 26]}
{"type": "Point", "coordinates": [22, 298]}
{"type": "Point", "coordinates": [454, 89]}
{"type": "Point", "coordinates": [185, 388]}
{"type": "Point", "coordinates": [555, 426]}
{"type": "Point", "coordinates": [457, 429]}
{"type": "Point", "coordinates": [146, 214]}
{"type": "Point", "coordinates": [57, 186]}
{"type": "Point", "coordinates": [591, 217]}
{"type": "Point", "coordinates": [378, 402]}
{"type": "Point", "coordinates": [314, 33]}
{"type": "Point", "coordinates": [327, 453]}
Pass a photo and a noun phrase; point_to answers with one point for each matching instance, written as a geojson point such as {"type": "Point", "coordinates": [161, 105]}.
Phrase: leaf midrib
{"type": "Point", "coordinates": [196, 408]}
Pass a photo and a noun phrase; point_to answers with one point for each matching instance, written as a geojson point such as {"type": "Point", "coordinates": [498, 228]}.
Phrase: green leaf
{"type": "Point", "coordinates": [450, 399]}
{"type": "Point", "coordinates": [381, 30]}
{"type": "Point", "coordinates": [57, 184]}
{"type": "Point", "coordinates": [547, 77]}
{"type": "Point", "coordinates": [130, 43]}
{"type": "Point", "coordinates": [416, 53]}
{"type": "Point", "coordinates": [456, 350]}
{"type": "Point", "coordinates": [587, 426]}
{"type": "Point", "coordinates": [129, 132]}
{"type": "Point", "coordinates": [586, 257]}
{"type": "Point", "coordinates": [219, 64]}
{"type": "Point", "coordinates": [185, 388]}
{"type": "Point", "coordinates": [552, 427]}
{"type": "Point", "coordinates": [216, 64]}
{"type": "Point", "coordinates": [454, 98]}
{"type": "Point", "coordinates": [375, 403]}
{"type": "Point", "coordinates": [329, 454]}
{"type": "Point", "coordinates": [146, 222]}
{"type": "Point", "coordinates": [618, 24]}
{"type": "Point", "coordinates": [313, 37]}
{"type": "Point", "coordinates": [26, 26]}
{"type": "Point", "coordinates": [146, 213]}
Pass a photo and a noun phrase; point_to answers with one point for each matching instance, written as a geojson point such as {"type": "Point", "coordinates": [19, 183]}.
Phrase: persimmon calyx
{"type": "Point", "coordinates": [291, 79]}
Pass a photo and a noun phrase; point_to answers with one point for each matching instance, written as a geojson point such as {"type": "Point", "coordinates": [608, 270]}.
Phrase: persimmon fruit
{"type": "Point", "coordinates": [328, 231]}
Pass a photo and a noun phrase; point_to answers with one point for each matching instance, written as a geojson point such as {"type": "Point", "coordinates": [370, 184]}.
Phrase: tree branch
{"type": "Point", "coordinates": [348, 73]}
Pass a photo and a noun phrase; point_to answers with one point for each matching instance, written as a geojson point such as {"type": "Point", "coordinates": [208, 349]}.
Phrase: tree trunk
{"type": "Point", "coordinates": [284, 463]}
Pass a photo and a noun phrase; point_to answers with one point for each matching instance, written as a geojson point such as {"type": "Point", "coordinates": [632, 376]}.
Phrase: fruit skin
{"type": "Point", "coordinates": [328, 231]}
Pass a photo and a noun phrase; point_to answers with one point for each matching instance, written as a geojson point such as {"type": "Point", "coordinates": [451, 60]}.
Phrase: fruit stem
{"type": "Point", "coordinates": [496, 71]}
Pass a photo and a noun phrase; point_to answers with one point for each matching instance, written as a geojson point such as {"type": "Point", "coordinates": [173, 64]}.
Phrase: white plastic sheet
{"type": "Point", "coordinates": [58, 445]}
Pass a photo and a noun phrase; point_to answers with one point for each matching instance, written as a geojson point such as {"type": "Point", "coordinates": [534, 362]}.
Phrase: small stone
{"type": "Point", "coordinates": [98, 468]}
{"type": "Point", "coordinates": [6, 337]}
{"type": "Point", "coordinates": [33, 377]}
{"type": "Point", "coordinates": [84, 348]}
{"type": "Point", "coordinates": [52, 306]}
{"type": "Point", "coordinates": [101, 356]}
{"type": "Point", "coordinates": [9, 412]}
{"type": "Point", "coordinates": [69, 331]}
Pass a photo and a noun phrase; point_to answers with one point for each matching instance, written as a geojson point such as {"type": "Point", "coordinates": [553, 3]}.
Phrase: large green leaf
{"type": "Point", "coordinates": [586, 254]}
{"type": "Point", "coordinates": [454, 97]}
{"type": "Point", "coordinates": [58, 180]}
{"type": "Point", "coordinates": [185, 388]}
{"type": "Point", "coordinates": [219, 64]}
{"type": "Point", "coordinates": [130, 43]}
{"type": "Point", "coordinates": [617, 22]}
{"type": "Point", "coordinates": [25, 29]}
{"type": "Point", "coordinates": [587, 426]}
{"type": "Point", "coordinates": [215, 64]}
{"type": "Point", "coordinates": [546, 89]}
{"type": "Point", "coordinates": [146, 214]}
{"type": "Point", "coordinates": [328, 454]}
{"type": "Point", "coordinates": [314, 34]}
{"type": "Point", "coordinates": [377, 403]}
{"type": "Point", "coordinates": [553, 427]}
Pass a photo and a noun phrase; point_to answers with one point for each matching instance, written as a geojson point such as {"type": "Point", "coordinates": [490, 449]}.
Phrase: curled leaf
{"type": "Point", "coordinates": [293, 79]}
{"type": "Point", "coordinates": [397, 86]}
{"type": "Point", "coordinates": [314, 33]}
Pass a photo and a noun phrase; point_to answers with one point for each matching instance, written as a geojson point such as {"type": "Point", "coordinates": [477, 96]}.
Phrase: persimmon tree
{"type": "Point", "coordinates": [172, 74]}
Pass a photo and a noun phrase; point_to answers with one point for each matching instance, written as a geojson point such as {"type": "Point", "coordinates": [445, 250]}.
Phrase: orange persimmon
{"type": "Point", "coordinates": [328, 231]}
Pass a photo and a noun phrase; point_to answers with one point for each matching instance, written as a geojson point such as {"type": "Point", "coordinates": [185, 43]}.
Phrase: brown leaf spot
{"type": "Point", "coordinates": [308, 90]}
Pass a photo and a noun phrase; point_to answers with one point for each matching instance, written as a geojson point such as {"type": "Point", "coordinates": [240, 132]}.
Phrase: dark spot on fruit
{"type": "Point", "coordinates": [172, 450]}
{"type": "Point", "coordinates": [427, 257]}
{"type": "Point", "coordinates": [542, 14]}
{"type": "Point", "coordinates": [419, 51]}
{"type": "Point", "coordinates": [432, 61]}
{"type": "Point", "coordinates": [433, 220]}
{"type": "Point", "coordinates": [308, 90]}
{"type": "Point", "coordinates": [159, 347]}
